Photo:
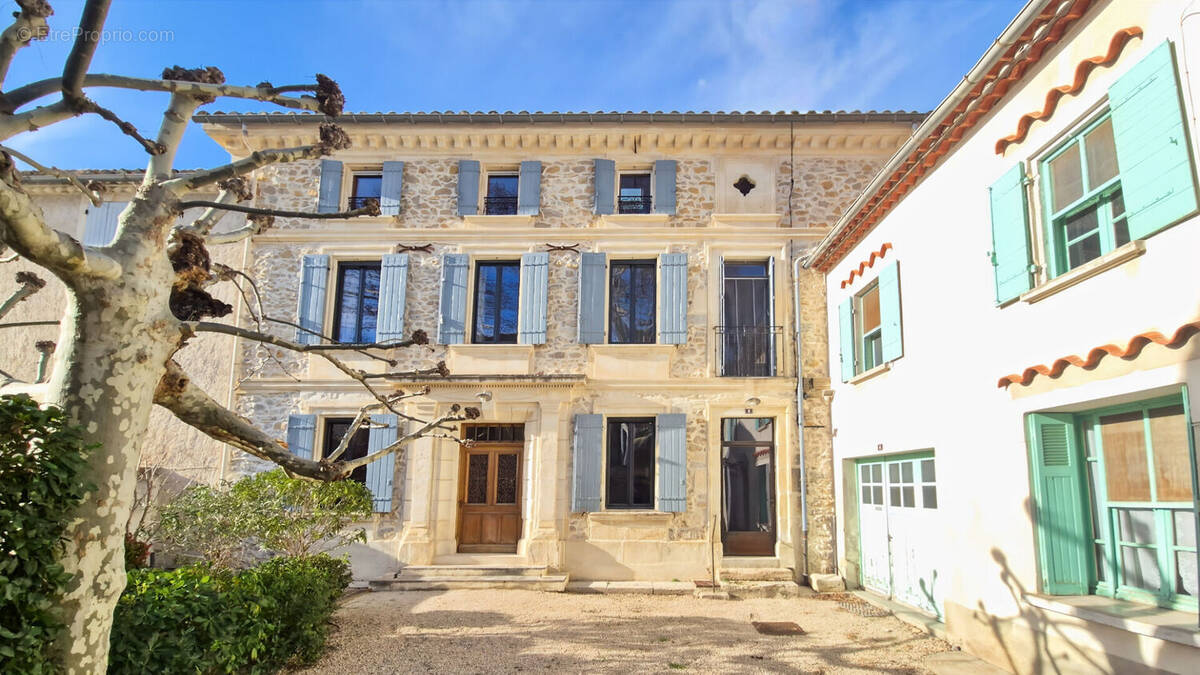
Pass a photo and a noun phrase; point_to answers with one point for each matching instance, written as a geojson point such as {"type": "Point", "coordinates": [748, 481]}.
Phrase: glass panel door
{"type": "Point", "coordinates": [748, 480]}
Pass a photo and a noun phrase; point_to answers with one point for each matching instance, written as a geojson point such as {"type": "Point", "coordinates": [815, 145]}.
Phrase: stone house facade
{"type": "Point", "coordinates": [618, 294]}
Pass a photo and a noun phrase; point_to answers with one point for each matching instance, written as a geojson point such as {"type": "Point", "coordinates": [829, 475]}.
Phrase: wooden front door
{"type": "Point", "coordinates": [489, 502]}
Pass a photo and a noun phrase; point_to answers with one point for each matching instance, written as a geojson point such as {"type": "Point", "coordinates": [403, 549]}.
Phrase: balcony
{"type": "Point", "coordinates": [633, 204]}
{"type": "Point", "coordinates": [500, 206]}
{"type": "Point", "coordinates": [747, 351]}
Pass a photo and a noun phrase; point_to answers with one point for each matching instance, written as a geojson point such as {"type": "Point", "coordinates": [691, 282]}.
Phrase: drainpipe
{"type": "Point", "coordinates": [800, 407]}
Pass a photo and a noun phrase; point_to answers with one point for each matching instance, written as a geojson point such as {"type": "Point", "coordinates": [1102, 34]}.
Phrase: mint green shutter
{"type": "Point", "coordinates": [672, 298]}
{"type": "Point", "coordinates": [302, 435]}
{"type": "Point", "coordinates": [381, 471]}
{"type": "Point", "coordinates": [605, 186]}
{"type": "Point", "coordinates": [846, 337]}
{"type": "Point", "coordinates": [670, 430]}
{"type": "Point", "coordinates": [468, 187]}
{"type": "Point", "coordinates": [452, 305]}
{"type": "Point", "coordinates": [529, 188]}
{"type": "Point", "coordinates": [531, 310]}
{"type": "Point", "coordinates": [314, 277]}
{"type": "Point", "coordinates": [1063, 533]}
{"type": "Point", "coordinates": [389, 193]}
{"type": "Point", "coordinates": [890, 331]}
{"type": "Point", "coordinates": [664, 186]}
{"type": "Point", "coordinates": [1010, 235]}
{"type": "Point", "coordinates": [592, 286]}
{"type": "Point", "coordinates": [587, 451]}
{"type": "Point", "coordinates": [329, 193]}
{"type": "Point", "coordinates": [393, 283]}
{"type": "Point", "coordinates": [1152, 144]}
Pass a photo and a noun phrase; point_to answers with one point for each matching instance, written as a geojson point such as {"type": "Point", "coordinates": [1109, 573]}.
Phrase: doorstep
{"type": "Point", "coordinates": [632, 587]}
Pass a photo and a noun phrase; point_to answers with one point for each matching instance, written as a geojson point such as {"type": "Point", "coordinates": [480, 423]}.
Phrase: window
{"type": "Point", "coordinates": [631, 296]}
{"type": "Point", "coordinates": [634, 193]}
{"type": "Point", "coordinates": [365, 186]}
{"type": "Point", "coordinates": [869, 326]}
{"type": "Point", "coordinates": [869, 329]}
{"type": "Point", "coordinates": [899, 484]}
{"type": "Point", "coordinates": [746, 338]}
{"type": "Point", "coordinates": [497, 293]}
{"type": "Point", "coordinates": [335, 431]}
{"type": "Point", "coordinates": [630, 465]}
{"type": "Point", "coordinates": [501, 196]}
{"type": "Point", "coordinates": [1083, 197]}
{"type": "Point", "coordinates": [357, 304]}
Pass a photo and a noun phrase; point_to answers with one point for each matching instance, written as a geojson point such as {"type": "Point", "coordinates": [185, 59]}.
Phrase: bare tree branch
{"type": "Point", "coordinates": [46, 350]}
{"type": "Point", "coordinates": [87, 38]}
{"type": "Point", "coordinates": [26, 324]}
{"type": "Point", "coordinates": [26, 232]}
{"type": "Point", "coordinates": [371, 209]}
{"type": "Point", "coordinates": [256, 160]}
{"type": "Point", "coordinates": [233, 190]}
{"type": "Point", "coordinates": [457, 414]}
{"type": "Point", "coordinates": [33, 91]}
{"type": "Point", "coordinates": [90, 192]}
{"type": "Point", "coordinates": [170, 133]}
{"type": "Point", "coordinates": [87, 105]}
{"type": "Point", "coordinates": [30, 283]}
{"type": "Point", "coordinates": [30, 25]}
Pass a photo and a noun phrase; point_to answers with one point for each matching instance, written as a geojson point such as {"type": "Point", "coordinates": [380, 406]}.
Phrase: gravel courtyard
{"type": "Point", "coordinates": [501, 631]}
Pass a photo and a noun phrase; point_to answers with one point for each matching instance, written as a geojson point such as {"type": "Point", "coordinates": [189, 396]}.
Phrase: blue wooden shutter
{"type": "Point", "coordinates": [1010, 235]}
{"type": "Point", "coordinates": [672, 462]}
{"type": "Point", "coordinates": [593, 268]}
{"type": "Point", "coordinates": [529, 188]}
{"type": "Point", "coordinates": [302, 435]}
{"type": "Point", "coordinates": [468, 187]}
{"type": "Point", "coordinates": [381, 471]}
{"type": "Point", "coordinates": [672, 298]}
{"type": "Point", "coordinates": [393, 283]}
{"type": "Point", "coordinates": [452, 307]}
{"type": "Point", "coordinates": [100, 225]}
{"type": "Point", "coordinates": [389, 194]}
{"type": "Point", "coordinates": [329, 194]}
{"type": "Point", "coordinates": [606, 185]}
{"type": "Point", "coordinates": [1152, 144]}
{"type": "Point", "coordinates": [891, 335]}
{"type": "Point", "coordinates": [314, 277]}
{"type": "Point", "coordinates": [531, 313]}
{"type": "Point", "coordinates": [1063, 531]}
{"type": "Point", "coordinates": [587, 453]}
{"type": "Point", "coordinates": [770, 337]}
{"type": "Point", "coordinates": [846, 337]}
{"type": "Point", "coordinates": [664, 186]}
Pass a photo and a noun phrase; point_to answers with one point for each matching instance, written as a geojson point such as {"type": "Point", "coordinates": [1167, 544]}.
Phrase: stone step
{"type": "Point", "coordinates": [550, 582]}
{"type": "Point", "coordinates": [740, 561]}
{"type": "Point", "coordinates": [757, 574]}
{"type": "Point", "coordinates": [764, 589]}
{"type": "Point", "coordinates": [424, 571]}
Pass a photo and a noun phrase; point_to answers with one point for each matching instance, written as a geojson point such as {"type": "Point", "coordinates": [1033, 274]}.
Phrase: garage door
{"type": "Point", "coordinates": [900, 535]}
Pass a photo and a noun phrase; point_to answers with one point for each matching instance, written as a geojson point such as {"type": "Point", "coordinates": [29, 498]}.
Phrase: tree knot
{"type": "Point", "coordinates": [238, 185]}
{"type": "Point", "coordinates": [333, 138]}
{"type": "Point", "coordinates": [329, 96]}
{"type": "Point", "coordinates": [30, 279]}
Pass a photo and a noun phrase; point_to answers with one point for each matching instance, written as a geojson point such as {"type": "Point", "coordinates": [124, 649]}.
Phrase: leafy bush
{"type": "Point", "coordinates": [209, 521]}
{"type": "Point", "coordinates": [41, 461]}
{"type": "Point", "coordinates": [202, 619]}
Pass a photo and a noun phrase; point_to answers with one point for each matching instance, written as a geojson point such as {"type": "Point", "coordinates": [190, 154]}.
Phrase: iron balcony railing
{"type": "Point", "coordinates": [748, 351]}
{"type": "Point", "coordinates": [357, 202]}
{"type": "Point", "coordinates": [500, 206]}
{"type": "Point", "coordinates": [633, 204]}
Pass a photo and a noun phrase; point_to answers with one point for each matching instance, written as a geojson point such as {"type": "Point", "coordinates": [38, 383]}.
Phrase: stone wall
{"type": "Point", "coordinates": [824, 188]}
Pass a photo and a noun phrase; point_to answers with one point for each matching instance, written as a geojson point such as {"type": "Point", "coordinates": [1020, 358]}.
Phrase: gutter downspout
{"type": "Point", "coordinates": [800, 408]}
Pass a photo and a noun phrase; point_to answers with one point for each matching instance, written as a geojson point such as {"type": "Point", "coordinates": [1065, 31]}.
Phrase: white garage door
{"type": "Point", "coordinates": [899, 536]}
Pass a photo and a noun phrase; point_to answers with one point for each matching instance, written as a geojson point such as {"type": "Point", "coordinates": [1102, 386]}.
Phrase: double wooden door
{"type": "Point", "coordinates": [489, 503]}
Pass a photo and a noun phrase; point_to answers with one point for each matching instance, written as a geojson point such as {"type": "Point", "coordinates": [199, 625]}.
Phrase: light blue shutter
{"type": "Point", "coordinates": [529, 188]}
{"type": "Point", "coordinates": [329, 195]}
{"type": "Point", "coordinates": [770, 337]}
{"type": "Point", "coordinates": [1010, 235]}
{"type": "Point", "coordinates": [302, 435]}
{"type": "Point", "coordinates": [664, 186]}
{"type": "Point", "coordinates": [1063, 534]}
{"type": "Point", "coordinates": [672, 298]}
{"type": "Point", "coordinates": [452, 307]}
{"type": "Point", "coordinates": [314, 276]}
{"type": "Point", "coordinates": [672, 462]}
{"type": "Point", "coordinates": [1152, 144]}
{"type": "Point", "coordinates": [587, 453]}
{"type": "Point", "coordinates": [846, 337]}
{"type": "Point", "coordinates": [891, 335]}
{"type": "Point", "coordinates": [100, 226]}
{"type": "Point", "coordinates": [531, 314]}
{"type": "Point", "coordinates": [468, 187]}
{"type": "Point", "coordinates": [592, 285]}
{"type": "Point", "coordinates": [389, 194]}
{"type": "Point", "coordinates": [606, 185]}
{"type": "Point", "coordinates": [393, 283]}
{"type": "Point", "coordinates": [381, 471]}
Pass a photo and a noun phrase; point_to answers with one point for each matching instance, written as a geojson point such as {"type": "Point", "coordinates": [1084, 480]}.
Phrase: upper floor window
{"type": "Point", "coordinates": [501, 197]}
{"type": "Point", "coordinates": [869, 325]}
{"type": "Point", "coordinates": [365, 186]}
{"type": "Point", "coordinates": [630, 463]}
{"type": "Point", "coordinates": [631, 295]}
{"type": "Point", "coordinates": [497, 296]}
{"type": "Point", "coordinates": [634, 193]}
{"type": "Point", "coordinates": [356, 308]}
{"type": "Point", "coordinates": [746, 336]}
{"type": "Point", "coordinates": [869, 331]}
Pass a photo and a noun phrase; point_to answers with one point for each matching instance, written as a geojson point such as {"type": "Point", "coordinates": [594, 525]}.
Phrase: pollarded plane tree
{"type": "Point", "coordinates": [133, 304]}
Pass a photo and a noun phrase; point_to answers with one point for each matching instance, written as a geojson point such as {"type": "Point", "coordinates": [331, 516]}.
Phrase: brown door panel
{"type": "Point", "coordinates": [486, 522]}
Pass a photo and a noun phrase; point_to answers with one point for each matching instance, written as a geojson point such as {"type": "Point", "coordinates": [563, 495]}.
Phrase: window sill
{"type": "Point", "coordinates": [629, 362]}
{"type": "Point", "coordinates": [618, 517]}
{"type": "Point", "coordinates": [635, 219]}
{"type": "Point", "coordinates": [500, 221]}
{"type": "Point", "coordinates": [1113, 258]}
{"type": "Point", "coordinates": [1155, 622]}
{"type": "Point", "coordinates": [745, 220]}
{"type": "Point", "coordinates": [868, 374]}
{"type": "Point", "coordinates": [490, 359]}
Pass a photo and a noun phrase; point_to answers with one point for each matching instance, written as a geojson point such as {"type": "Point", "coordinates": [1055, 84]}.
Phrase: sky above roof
{"type": "Point", "coordinates": [587, 55]}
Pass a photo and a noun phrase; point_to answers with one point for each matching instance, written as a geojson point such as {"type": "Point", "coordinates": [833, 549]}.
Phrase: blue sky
{"type": "Point", "coordinates": [583, 55]}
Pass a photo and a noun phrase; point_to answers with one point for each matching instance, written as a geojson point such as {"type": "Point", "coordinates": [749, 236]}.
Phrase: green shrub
{"type": "Point", "coordinates": [41, 461]}
{"type": "Point", "coordinates": [209, 521]}
{"type": "Point", "coordinates": [201, 619]}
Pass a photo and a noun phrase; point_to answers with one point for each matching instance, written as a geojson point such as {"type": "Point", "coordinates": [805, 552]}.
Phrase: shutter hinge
{"type": "Point", "coordinates": [1034, 268]}
{"type": "Point", "coordinates": [992, 257]}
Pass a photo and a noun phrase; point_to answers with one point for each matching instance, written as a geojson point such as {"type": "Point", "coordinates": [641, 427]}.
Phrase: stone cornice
{"type": "Point", "coordinates": [358, 234]}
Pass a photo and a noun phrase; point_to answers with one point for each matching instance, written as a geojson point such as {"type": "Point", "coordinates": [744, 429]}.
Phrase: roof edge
{"type": "Point", "coordinates": [910, 117]}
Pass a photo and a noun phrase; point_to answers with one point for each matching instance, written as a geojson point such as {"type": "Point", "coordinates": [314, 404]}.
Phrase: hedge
{"type": "Point", "coordinates": [201, 619]}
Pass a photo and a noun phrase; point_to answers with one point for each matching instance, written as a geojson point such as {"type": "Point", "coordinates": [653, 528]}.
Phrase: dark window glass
{"type": "Point", "coordinates": [630, 463]}
{"type": "Point", "coordinates": [496, 433]}
{"type": "Point", "coordinates": [747, 338]}
{"type": "Point", "coordinates": [335, 430]}
{"type": "Point", "coordinates": [501, 199]}
{"type": "Point", "coordinates": [634, 196]}
{"type": "Point", "coordinates": [366, 187]}
{"type": "Point", "coordinates": [497, 286]}
{"type": "Point", "coordinates": [631, 297]}
{"type": "Point", "coordinates": [357, 304]}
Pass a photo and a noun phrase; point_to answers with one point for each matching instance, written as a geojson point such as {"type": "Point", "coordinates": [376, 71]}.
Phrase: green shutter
{"type": "Point", "coordinates": [587, 451]}
{"type": "Point", "coordinates": [1010, 235]}
{"type": "Point", "coordinates": [1060, 505]}
{"type": "Point", "coordinates": [1152, 144]}
{"type": "Point", "coordinates": [846, 337]}
{"type": "Point", "coordinates": [889, 312]}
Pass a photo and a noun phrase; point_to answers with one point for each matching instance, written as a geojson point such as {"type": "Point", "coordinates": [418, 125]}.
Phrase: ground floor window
{"type": "Point", "coordinates": [630, 463]}
{"type": "Point", "coordinates": [335, 431]}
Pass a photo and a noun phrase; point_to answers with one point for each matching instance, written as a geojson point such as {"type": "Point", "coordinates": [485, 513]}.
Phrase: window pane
{"type": "Point", "coordinates": [1101, 562]}
{"type": "Point", "coordinates": [368, 186]}
{"type": "Point", "coordinates": [927, 471]}
{"type": "Point", "coordinates": [864, 473]}
{"type": "Point", "coordinates": [1136, 526]}
{"type": "Point", "coordinates": [631, 463]}
{"type": "Point", "coordinates": [643, 464]}
{"type": "Point", "coordinates": [631, 303]}
{"type": "Point", "coordinates": [1186, 580]}
{"type": "Point", "coordinates": [906, 472]}
{"type": "Point", "coordinates": [1101, 154]}
{"type": "Point", "coordinates": [1140, 567]}
{"type": "Point", "coordinates": [929, 496]}
{"type": "Point", "coordinates": [485, 304]}
{"type": "Point", "coordinates": [1172, 466]}
{"type": "Point", "coordinates": [643, 304]}
{"type": "Point", "coordinates": [1123, 440]}
{"type": "Point", "coordinates": [894, 473]}
{"type": "Point", "coordinates": [369, 309]}
{"type": "Point", "coordinates": [1185, 528]}
{"type": "Point", "coordinates": [876, 473]}
{"type": "Point", "coordinates": [1066, 178]}
{"type": "Point", "coordinates": [909, 495]}
{"type": "Point", "coordinates": [506, 479]}
{"type": "Point", "coordinates": [895, 496]}
{"type": "Point", "coordinates": [1098, 527]}
{"type": "Point", "coordinates": [746, 270]}
{"type": "Point", "coordinates": [866, 494]}
{"type": "Point", "coordinates": [620, 460]}
{"type": "Point", "coordinates": [634, 195]}
{"type": "Point", "coordinates": [877, 494]}
{"type": "Point", "coordinates": [869, 302]}
{"type": "Point", "coordinates": [1083, 251]}
{"type": "Point", "coordinates": [502, 186]}
{"type": "Point", "coordinates": [348, 304]}
{"type": "Point", "coordinates": [1080, 224]}
{"type": "Point", "coordinates": [510, 296]}
{"type": "Point", "coordinates": [477, 473]}
{"type": "Point", "coordinates": [497, 292]}
{"type": "Point", "coordinates": [761, 429]}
